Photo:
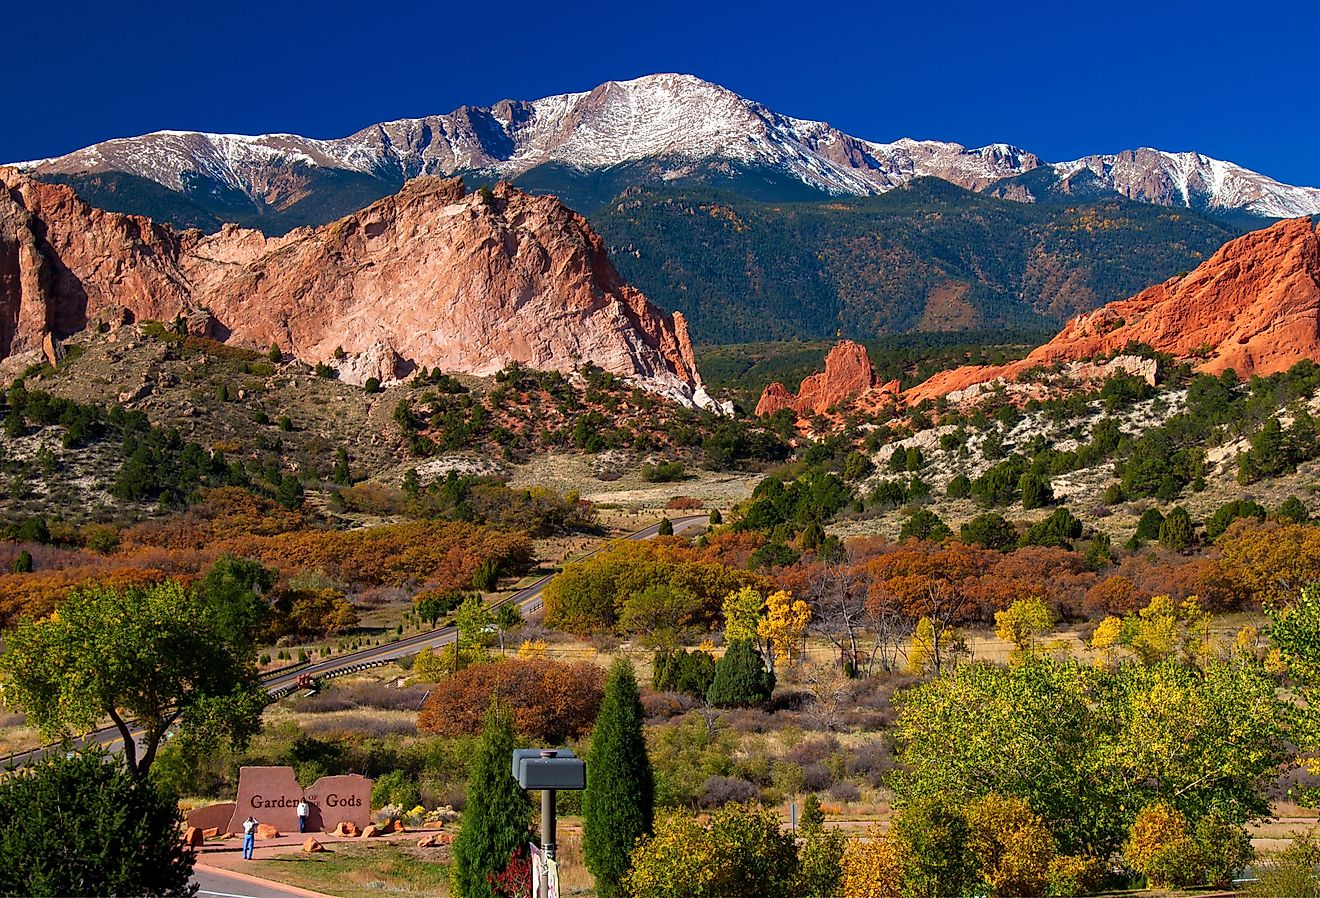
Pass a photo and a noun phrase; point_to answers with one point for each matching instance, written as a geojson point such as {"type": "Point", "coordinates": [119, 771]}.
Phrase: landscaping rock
{"type": "Point", "coordinates": [267, 831]}
{"type": "Point", "coordinates": [193, 838]}
{"type": "Point", "coordinates": [346, 829]}
{"type": "Point", "coordinates": [370, 831]}
{"type": "Point", "coordinates": [311, 846]}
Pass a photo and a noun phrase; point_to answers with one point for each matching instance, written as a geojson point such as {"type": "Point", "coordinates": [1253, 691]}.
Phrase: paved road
{"type": "Point", "coordinates": [213, 883]}
{"type": "Point", "coordinates": [528, 599]}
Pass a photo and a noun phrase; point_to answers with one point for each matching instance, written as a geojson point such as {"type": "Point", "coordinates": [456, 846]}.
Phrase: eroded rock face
{"type": "Point", "coordinates": [432, 276]}
{"type": "Point", "coordinates": [1254, 306]}
{"type": "Point", "coordinates": [848, 375]}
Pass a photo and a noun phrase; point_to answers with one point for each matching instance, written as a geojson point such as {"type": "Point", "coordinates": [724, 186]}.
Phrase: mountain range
{"type": "Point", "coordinates": [587, 147]}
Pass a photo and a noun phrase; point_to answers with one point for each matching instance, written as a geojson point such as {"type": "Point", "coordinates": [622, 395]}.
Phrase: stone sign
{"type": "Point", "coordinates": [335, 799]}
{"type": "Point", "coordinates": [271, 794]}
{"type": "Point", "coordinates": [214, 816]}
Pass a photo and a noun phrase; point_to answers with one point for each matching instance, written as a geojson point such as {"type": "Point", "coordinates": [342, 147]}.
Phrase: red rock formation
{"type": "Point", "coordinates": [848, 377]}
{"type": "Point", "coordinates": [465, 282]}
{"type": "Point", "coordinates": [774, 398]}
{"type": "Point", "coordinates": [1254, 306]}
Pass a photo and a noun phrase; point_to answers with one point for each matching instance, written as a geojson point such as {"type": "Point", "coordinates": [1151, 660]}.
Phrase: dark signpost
{"type": "Point", "coordinates": [549, 770]}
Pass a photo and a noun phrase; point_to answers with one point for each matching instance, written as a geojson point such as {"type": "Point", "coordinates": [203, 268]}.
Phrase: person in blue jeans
{"type": "Point", "coordinates": [249, 836]}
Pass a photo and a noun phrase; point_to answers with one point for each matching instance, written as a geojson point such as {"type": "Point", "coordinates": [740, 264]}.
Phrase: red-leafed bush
{"type": "Point", "coordinates": [551, 701]}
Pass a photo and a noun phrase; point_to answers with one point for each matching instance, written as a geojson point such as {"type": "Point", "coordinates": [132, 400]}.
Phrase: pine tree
{"type": "Point", "coordinates": [812, 815]}
{"type": "Point", "coordinates": [23, 563]}
{"type": "Point", "coordinates": [1176, 532]}
{"type": "Point", "coordinates": [618, 806]}
{"type": "Point", "coordinates": [666, 527]}
{"type": "Point", "coordinates": [498, 815]}
{"type": "Point", "coordinates": [290, 492]}
{"type": "Point", "coordinates": [341, 474]}
{"type": "Point", "coordinates": [741, 680]}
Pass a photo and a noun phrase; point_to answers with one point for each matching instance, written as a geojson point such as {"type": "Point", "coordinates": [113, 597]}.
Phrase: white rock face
{"type": "Point", "coordinates": [669, 120]}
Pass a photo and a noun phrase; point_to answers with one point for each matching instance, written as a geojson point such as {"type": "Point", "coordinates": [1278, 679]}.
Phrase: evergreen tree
{"type": "Point", "coordinates": [23, 563]}
{"type": "Point", "coordinates": [14, 425]}
{"type": "Point", "coordinates": [341, 474]}
{"type": "Point", "coordinates": [412, 484]}
{"type": "Point", "coordinates": [1148, 527]}
{"type": "Point", "coordinates": [1293, 511]}
{"type": "Point", "coordinates": [1036, 492]}
{"type": "Point", "coordinates": [1176, 532]}
{"type": "Point", "coordinates": [812, 815]}
{"type": "Point", "coordinates": [741, 679]}
{"type": "Point", "coordinates": [666, 527]}
{"type": "Point", "coordinates": [498, 815]}
{"type": "Point", "coordinates": [290, 492]}
{"type": "Point", "coordinates": [1059, 529]}
{"type": "Point", "coordinates": [924, 524]}
{"type": "Point", "coordinates": [618, 805]}
{"type": "Point", "coordinates": [82, 825]}
{"type": "Point", "coordinates": [990, 531]}
{"type": "Point", "coordinates": [715, 517]}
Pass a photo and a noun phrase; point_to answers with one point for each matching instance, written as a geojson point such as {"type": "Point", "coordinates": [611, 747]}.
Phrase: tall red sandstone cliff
{"type": "Point", "coordinates": [1254, 306]}
{"type": "Point", "coordinates": [431, 276]}
{"type": "Point", "coordinates": [848, 376]}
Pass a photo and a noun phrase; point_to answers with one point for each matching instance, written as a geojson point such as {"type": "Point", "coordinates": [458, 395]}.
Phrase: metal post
{"type": "Point", "coordinates": [547, 831]}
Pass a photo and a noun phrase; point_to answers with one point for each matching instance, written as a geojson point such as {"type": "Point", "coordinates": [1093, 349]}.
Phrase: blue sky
{"type": "Point", "coordinates": [1060, 79]}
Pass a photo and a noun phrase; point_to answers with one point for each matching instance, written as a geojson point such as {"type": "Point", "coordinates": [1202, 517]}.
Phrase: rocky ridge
{"type": "Point", "coordinates": [430, 277]}
{"type": "Point", "coordinates": [1254, 307]}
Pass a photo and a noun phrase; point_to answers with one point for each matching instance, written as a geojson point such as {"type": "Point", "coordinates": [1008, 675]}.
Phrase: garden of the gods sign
{"type": "Point", "coordinates": [271, 794]}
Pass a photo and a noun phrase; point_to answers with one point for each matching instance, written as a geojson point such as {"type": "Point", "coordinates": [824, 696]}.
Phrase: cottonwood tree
{"type": "Point", "coordinates": [837, 594]}
{"type": "Point", "coordinates": [149, 658]}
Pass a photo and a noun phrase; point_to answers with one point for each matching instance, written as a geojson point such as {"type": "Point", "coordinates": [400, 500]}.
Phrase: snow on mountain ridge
{"type": "Point", "coordinates": [673, 119]}
{"type": "Point", "coordinates": [1193, 179]}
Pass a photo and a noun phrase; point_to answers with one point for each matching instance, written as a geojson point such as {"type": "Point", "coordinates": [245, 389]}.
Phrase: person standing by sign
{"type": "Point", "coordinates": [249, 837]}
{"type": "Point", "coordinates": [302, 815]}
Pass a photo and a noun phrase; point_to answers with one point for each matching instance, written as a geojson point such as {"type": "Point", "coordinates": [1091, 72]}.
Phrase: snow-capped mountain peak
{"type": "Point", "coordinates": [670, 121]}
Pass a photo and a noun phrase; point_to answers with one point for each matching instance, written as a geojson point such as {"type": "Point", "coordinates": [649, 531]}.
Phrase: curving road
{"type": "Point", "coordinates": [528, 599]}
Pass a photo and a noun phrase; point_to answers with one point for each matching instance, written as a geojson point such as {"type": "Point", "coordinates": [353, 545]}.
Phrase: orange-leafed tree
{"type": "Point", "coordinates": [551, 701]}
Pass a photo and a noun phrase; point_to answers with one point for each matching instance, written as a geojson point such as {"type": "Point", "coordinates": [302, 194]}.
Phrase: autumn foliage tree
{"type": "Point", "coordinates": [743, 851]}
{"type": "Point", "coordinates": [874, 866]}
{"type": "Point", "coordinates": [549, 701]}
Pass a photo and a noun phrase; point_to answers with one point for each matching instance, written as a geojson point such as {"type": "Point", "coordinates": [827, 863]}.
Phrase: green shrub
{"type": "Point", "coordinates": [924, 524]}
{"type": "Point", "coordinates": [1177, 531]}
{"type": "Point", "coordinates": [1230, 512]}
{"type": "Point", "coordinates": [82, 825]}
{"type": "Point", "coordinates": [741, 680]}
{"type": "Point", "coordinates": [960, 487]}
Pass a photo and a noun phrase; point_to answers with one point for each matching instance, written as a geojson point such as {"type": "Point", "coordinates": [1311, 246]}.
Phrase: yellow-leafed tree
{"type": "Point", "coordinates": [784, 625]}
{"type": "Point", "coordinates": [874, 867]}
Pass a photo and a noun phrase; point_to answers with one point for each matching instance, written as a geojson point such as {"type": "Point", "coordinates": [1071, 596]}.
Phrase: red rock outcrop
{"type": "Point", "coordinates": [848, 378]}
{"type": "Point", "coordinates": [1254, 306]}
{"type": "Point", "coordinates": [433, 275]}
